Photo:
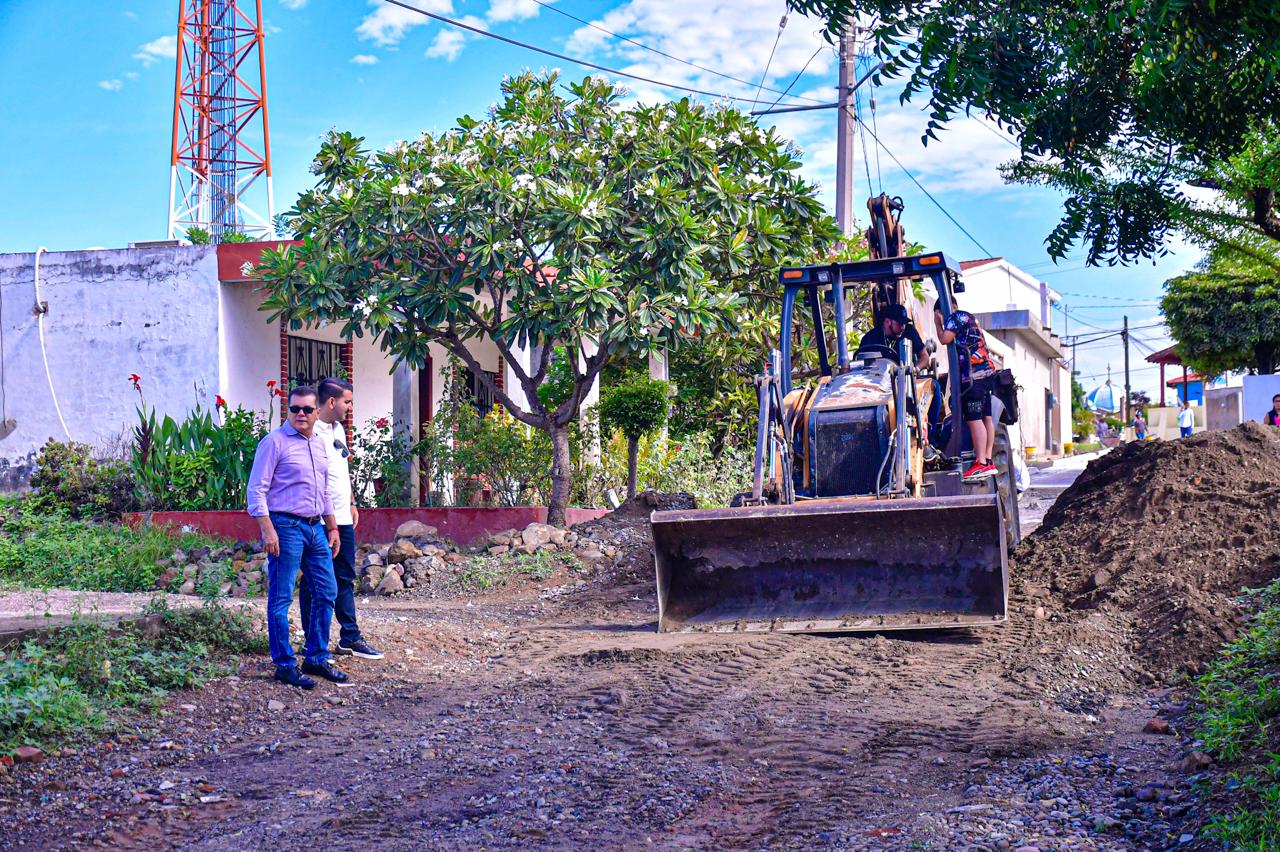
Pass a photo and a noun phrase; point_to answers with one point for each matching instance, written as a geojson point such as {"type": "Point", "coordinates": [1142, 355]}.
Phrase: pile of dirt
{"type": "Point", "coordinates": [1164, 535]}
{"type": "Point", "coordinates": [639, 506]}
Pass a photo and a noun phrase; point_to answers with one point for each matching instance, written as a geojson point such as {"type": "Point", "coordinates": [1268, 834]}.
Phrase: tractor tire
{"type": "Point", "coordinates": [1006, 487]}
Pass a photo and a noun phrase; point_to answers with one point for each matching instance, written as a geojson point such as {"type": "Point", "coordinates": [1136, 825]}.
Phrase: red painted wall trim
{"type": "Point", "coordinates": [463, 526]}
{"type": "Point", "coordinates": [233, 256]}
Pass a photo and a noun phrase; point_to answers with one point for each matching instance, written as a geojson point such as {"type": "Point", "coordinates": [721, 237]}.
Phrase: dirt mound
{"type": "Point", "coordinates": [1164, 534]}
{"type": "Point", "coordinates": [647, 501]}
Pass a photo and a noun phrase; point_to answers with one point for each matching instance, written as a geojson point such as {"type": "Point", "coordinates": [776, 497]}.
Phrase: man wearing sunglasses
{"type": "Point", "coordinates": [288, 495]}
{"type": "Point", "coordinates": [335, 405]}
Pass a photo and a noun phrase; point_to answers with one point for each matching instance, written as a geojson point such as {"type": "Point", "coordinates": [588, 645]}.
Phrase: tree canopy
{"type": "Point", "coordinates": [1226, 314]}
{"type": "Point", "coordinates": [564, 220]}
{"type": "Point", "coordinates": [1117, 102]}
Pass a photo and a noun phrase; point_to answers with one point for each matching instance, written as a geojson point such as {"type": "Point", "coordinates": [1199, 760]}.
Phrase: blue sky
{"type": "Point", "coordinates": [86, 110]}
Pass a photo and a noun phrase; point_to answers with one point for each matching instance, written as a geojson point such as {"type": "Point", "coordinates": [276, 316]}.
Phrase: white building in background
{"type": "Point", "coordinates": [188, 322]}
{"type": "Point", "coordinates": [1016, 312]}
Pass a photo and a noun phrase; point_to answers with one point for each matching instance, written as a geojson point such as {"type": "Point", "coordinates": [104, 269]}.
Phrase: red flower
{"type": "Point", "coordinates": [382, 423]}
{"type": "Point", "coordinates": [219, 402]}
{"type": "Point", "coordinates": [271, 384]}
{"type": "Point", "coordinates": [280, 391]}
{"type": "Point", "coordinates": [135, 380]}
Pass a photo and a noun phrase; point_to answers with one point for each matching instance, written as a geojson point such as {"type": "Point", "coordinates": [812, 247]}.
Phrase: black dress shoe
{"type": "Point", "coordinates": [328, 672]}
{"type": "Point", "coordinates": [291, 676]}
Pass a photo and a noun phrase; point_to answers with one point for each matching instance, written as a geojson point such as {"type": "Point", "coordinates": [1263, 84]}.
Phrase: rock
{"type": "Point", "coordinates": [526, 548]}
{"type": "Point", "coordinates": [28, 754]}
{"type": "Point", "coordinates": [549, 547]}
{"type": "Point", "coordinates": [454, 558]}
{"type": "Point", "coordinates": [1103, 823]}
{"type": "Point", "coordinates": [570, 538]}
{"type": "Point", "coordinates": [1097, 580]}
{"type": "Point", "coordinates": [1039, 613]}
{"type": "Point", "coordinates": [187, 588]}
{"type": "Point", "coordinates": [368, 586]}
{"type": "Point", "coordinates": [252, 576]}
{"type": "Point", "coordinates": [190, 571]}
{"type": "Point", "coordinates": [498, 549]}
{"type": "Point", "coordinates": [390, 584]}
{"type": "Point", "coordinates": [373, 559]}
{"type": "Point", "coordinates": [501, 539]}
{"type": "Point", "coordinates": [413, 529]}
{"type": "Point", "coordinates": [1196, 761]}
{"type": "Point", "coordinates": [609, 550]}
{"type": "Point", "coordinates": [1156, 726]}
{"type": "Point", "coordinates": [166, 577]}
{"type": "Point", "coordinates": [275, 705]}
{"type": "Point", "coordinates": [590, 555]}
{"type": "Point", "coordinates": [403, 549]}
{"type": "Point", "coordinates": [558, 536]}
{"type": "Point", "coordinates": [432, 550]}
{"type": "Point", "coordinates": [375, 572]}
{"type": "Point", "coordinates": [1027, 849]}
{"type": "Point", "coordinates": [537, 535]}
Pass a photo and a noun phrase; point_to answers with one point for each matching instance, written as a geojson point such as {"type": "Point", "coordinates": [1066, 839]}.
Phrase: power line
{"type": "Point", "coordinates": [782, 25]}
{"type": "Point", "coordinates": [1109, 298]}
{"type": "Point", "coordinates": [644, 46]}
{"type": "Point", "coordinates": [926, 192]}
{"type": "Point", "coordinates": [545, 52]}
{"type": "Point", "coordinates": [796, 79]}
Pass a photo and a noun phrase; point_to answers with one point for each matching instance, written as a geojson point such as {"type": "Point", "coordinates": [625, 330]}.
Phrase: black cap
{"type": "Point", "coordinates": [897, 313]}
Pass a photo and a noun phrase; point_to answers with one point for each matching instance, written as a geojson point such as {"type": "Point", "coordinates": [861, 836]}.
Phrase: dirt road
{"type": "Point", "coordinates": [551, 714]}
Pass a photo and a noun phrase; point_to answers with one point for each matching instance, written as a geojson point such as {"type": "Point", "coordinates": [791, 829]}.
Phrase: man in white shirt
{"type": "Point", "coordinates": [335, 404]}
{"type": "Point", "coordinates": [1186, 420]}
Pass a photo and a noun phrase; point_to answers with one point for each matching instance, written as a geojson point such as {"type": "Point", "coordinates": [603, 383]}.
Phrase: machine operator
{"type": "Point", "coordinates": [894, 325]}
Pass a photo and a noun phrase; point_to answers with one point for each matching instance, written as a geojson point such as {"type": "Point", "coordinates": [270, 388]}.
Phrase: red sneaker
{"type": "Point", "coordinates": [990, 470]}
{"type": "Point", "coordinates": [977, 470]}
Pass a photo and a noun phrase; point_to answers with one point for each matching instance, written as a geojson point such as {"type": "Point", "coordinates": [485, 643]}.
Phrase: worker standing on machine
{"type": "Point", "coordinates": [894, 325]}
{"type": "Point", "coordinates": [977, 377]}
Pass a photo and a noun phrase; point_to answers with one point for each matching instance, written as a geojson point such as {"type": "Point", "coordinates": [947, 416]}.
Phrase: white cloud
{"type": "Point", "coordinates": [511, 10]}
{"type": "Point", "coordinates": [111, 85]}
{"type": "Point", "coordinates": [386, 25]}
{"type": "Point", "coordinates": [165, 47]}
{"type": "Point", "coordinates": [132, 75]}
{"type": "Point", "coordinates": [364, 59]}
{"type": "Point", "coordinates": [293, 4]}
{"type": "Point", "coordinates": [447, 45]}
{"type": "Point", "coordinates": [130, 15]}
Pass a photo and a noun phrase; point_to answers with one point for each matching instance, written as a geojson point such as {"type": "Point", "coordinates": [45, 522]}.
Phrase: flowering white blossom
{"type": "Point", "coordinates": [402, 189]}
{"type": "Point", "coordinates": [246, 269]}
{"type": "Point", "coordinates": [395, 147]}
{"type": "Point", "coordinates": [522, 182]}
{"type": "Point", "coordinates": [733, 138]}
{"type": "Point", "coordinates": [367, 306]}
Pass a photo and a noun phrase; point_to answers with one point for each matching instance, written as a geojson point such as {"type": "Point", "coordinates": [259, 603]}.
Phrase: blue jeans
{"type": "Point", "coordinates": [302, 546]}
{"type": "Point", "coordinates": [1185, 430]}
{"type": "Point", "coordinates": [344, 603]}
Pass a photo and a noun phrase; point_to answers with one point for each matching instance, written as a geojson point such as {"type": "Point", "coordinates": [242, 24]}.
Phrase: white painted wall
{"type": "Point", "coordinates": [249, 346]}
{"type": "Point", "coordinates": [153, 312]}
{"type": "Point", "coordinates": [1001, 286]}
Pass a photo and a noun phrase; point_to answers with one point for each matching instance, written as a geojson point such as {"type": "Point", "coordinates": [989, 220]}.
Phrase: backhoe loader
{"type": "Point", "coordinates": [847, 527]}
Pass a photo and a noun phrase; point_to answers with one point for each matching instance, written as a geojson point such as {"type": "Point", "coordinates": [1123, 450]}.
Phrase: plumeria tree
{"type": "Point", "coordinates": [566, 221]}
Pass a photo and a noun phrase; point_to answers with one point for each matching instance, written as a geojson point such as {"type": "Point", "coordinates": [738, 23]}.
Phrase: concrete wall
{"type": "Point", "coordinates": [250, 347]}
{"type": "Point", "coordinates": [1258, 391]}
{"type": "Point", "coordinates": [1222, 407]}
{"type": "Point", "coordinates": [1001, 286]}
{"type": "Point", "coordinates": [111, 313]}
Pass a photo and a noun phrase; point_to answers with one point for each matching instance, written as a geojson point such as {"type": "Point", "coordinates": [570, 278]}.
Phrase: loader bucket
{"type": "Point", "coordinates": [832, 566]}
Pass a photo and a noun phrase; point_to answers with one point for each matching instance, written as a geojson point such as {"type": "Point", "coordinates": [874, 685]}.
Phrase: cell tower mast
{"type": "Point", "coordinates": [220, 169]}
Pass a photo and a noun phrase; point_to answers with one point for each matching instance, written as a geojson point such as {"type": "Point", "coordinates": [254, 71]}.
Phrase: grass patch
{"type": "Point", "coordinates": [1238, 699]}
{"type": "Point", "coordinates": [1091, 447]}
{"type": "Point", "coordinates": [482, 573]}
{"type": "Point", "coordinates": [77, 680]}
{"type": "Point", "coordinates": [45, 550]}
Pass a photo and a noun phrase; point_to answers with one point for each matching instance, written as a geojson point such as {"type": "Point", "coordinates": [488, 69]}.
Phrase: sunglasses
{"type": "Point", "coordinates": [338, 445]}
{"type": "Point", "coordinates": [302, 409]}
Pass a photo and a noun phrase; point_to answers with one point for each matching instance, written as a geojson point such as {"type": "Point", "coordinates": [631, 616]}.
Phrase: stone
{"type": "Point", "coordinates": [190, 571]}
{"type": "Point", "coordinates": [1156, 726]}
{"type": "Point", "coordinates": [390, 584]}
{"type": "Point", "coordinates": [373, 559]}
{"type": "Point", "coordinates": [1039, 613]}
{"type": "Point", "coordinates": [432, 550]}
{"type": "Point", "coordinates": [413, 529]}
{"type": "Point", "coordinates": [498, 549]}
{"type": "Point", "coordinates": [590, 555]}
{"type": "Point", "coordinates": [501, 539]}
{"type": "Point", "coordinates": [1196, 761]}
{"type": "Point", "coordinates": [402, 550]}
{"type": "Point", "coordinates": [1151, 793]}
{"type": "Point", "coordinates": [28, 754]}
{"type": "Point", "coordinates": [609, 550]}
{"type": "Point", "coordinates": [188, 588]}
{"type": "Point", "coordinates": [537, 534]}
{"type": "Point", "coordinates": [570, 538]}
{"type": "Point", "coordinates": [166, 577]}
{"type": "Point", "coordinates": [558, 536]}
{"type": "Point", "coordinates": [549, 547]}
{"type": "Point", "coordinates": [455, 558]}
{"type": "Point", "coordinates": [1103, 823]}
{"type": "Point", "coordinates": [252, 576]}
{"type": "Point", "coordinates": [368, 586]}
{"type": "Point", "coordinates": [375, 572]}
{"type": "Point", "coordinates": [525, 548]}
{"type": "Point", "coordinates": [1098, 579]}
{"type": "Point", "coordinates": [275, 705]}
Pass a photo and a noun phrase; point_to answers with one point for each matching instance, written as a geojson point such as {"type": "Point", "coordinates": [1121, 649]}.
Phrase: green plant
{"type": "Point", "coordinates": [198, 236]}
{"type": "Point", "coordinates": [69, 480]}
{"type": "Point", "coordinates": [200, 462]}
{"type": "Point", "coordinates": [46, 550]}
{"type": "Point", "coordinates": [635, 408]}
{"type": "Point", "coordinates": [86, 677]}
{"type": "Point", "coordinates": [379, 461]}
{"type": "Point", "coordinates": [568, 217]}
{"type": "Point", "coordinates": [482, 573]}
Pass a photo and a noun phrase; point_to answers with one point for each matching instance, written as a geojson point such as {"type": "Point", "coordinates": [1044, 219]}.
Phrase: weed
{"type": "Point", "coordinates": [45, 550]}
{"type": "Point", "coordinates": [481, 573]}
{"type": "Point", "coordinates": [79, 678]}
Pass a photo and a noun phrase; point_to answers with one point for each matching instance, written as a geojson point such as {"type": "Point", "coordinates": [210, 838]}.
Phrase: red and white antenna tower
{"type": "Point", "coordinates": [220, 170]}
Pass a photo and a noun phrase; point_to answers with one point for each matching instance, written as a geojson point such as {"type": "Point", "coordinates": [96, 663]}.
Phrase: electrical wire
{"type": "Point", "coordinates": [926, 192]}
{"type": "Point", "coordinates": [782, 25]}
{"type": "Point", "coordinates": [554, 55]}
{"type": "Point", "coordinates": [796, 79]}
{"type": "Point", "coordinates": [549, 7]}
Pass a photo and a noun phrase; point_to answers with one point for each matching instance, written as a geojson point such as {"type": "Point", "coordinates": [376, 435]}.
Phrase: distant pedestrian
{"type": "Point", "coordinates": [1139, 426]}
{"type": "Point", "coordinates": [335, 405]}
{"type": "Point", "coordinates": [1272, 417]}
{"type": "Point", "coordinates": [288, 496]}
{"type": "Point", "coordinates": [1186, 419]}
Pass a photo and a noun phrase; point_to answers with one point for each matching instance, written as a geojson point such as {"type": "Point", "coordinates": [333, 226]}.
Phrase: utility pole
{"type": "Point", "coordinates": [1124, 335]}
{"type": "Point", "coordinates": [845, 125]}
